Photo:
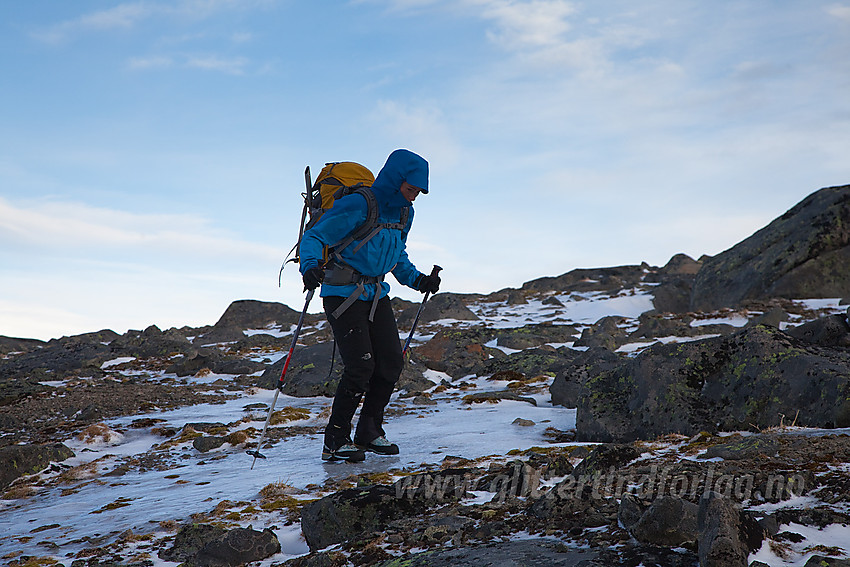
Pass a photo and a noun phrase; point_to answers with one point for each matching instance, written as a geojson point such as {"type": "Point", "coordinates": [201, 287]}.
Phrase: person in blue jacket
{"type": "Point", "coordinates": [356, 300]}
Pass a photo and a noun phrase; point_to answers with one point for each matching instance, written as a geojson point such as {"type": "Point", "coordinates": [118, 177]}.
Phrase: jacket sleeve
{"type": "Point", "coordinates": [405, 272]}
{"type": "Point", "coordinates": [347, 214]}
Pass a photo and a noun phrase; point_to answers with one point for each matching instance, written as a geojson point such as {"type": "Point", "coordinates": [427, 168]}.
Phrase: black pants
{"type": "Point", "coordinates": [371, 356]}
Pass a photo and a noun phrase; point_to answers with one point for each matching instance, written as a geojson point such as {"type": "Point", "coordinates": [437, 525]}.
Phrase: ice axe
{"type": "Point", "coordinates": [435, 271]}
{"type": "Point", "coordinates": [256, 453]}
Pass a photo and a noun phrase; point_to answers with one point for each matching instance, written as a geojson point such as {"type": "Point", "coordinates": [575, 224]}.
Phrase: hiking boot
{"type": "Point", "coordinates": [347, 452]}
{"type": "Point", "coordinates": [379, 445]}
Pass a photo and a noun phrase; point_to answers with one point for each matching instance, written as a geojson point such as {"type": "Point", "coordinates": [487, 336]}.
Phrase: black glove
{"type": "Point", "coordinates": [428, 284]}
{"type": "Point", "coordinates": [313, 278]}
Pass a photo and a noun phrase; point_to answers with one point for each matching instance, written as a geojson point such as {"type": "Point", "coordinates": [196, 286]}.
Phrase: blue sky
{"type": "Point", "coordinates": [152, 152]}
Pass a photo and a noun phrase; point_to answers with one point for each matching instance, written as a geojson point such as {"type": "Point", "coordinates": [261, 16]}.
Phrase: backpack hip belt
{"type": "Point", "coordinates": [339, 273]}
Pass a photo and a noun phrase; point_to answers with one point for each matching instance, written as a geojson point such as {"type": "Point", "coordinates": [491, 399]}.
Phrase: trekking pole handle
{"type": "Point", "coordinates": [435, 271]}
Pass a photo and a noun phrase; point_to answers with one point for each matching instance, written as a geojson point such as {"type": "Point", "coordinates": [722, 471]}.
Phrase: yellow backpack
{"type": "Point", "coordinates": [336, 180]}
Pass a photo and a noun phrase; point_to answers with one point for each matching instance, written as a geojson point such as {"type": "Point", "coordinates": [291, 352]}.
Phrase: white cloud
{"type": "Point", "coordinates": [423, 127]}
{"type": "Point", "coordinates": [128, 15]}
{"type": "Point", "coordinates": [123, 16]}
{"type": "Point", "coordinates": [154, 62]}
{"type": "Point", "coordinates": [241, 37]}
{"type": "Point", "coordinates": [71, 268]}
{"type": "Point", "coordinates": [76, 229]}
{"type": "Point", "coordinates": [840, 11]}
{"type": "Point", "coordinates": [229, 65]}
{"type": "Point", "coordinates": [534, 23]}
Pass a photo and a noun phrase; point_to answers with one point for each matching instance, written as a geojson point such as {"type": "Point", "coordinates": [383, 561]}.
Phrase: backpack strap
{"type": "Point", "coordinates": [371, 227]}
{"type": "Point", "coordinates": [337, 270]}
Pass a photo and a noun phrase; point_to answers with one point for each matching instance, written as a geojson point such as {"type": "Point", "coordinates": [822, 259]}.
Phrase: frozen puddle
{"type": "Point", "coordinates": [102, 506]}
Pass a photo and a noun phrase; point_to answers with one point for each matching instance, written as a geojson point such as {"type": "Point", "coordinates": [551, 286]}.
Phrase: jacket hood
{"type": "Point", "coordinates": [402, 165]}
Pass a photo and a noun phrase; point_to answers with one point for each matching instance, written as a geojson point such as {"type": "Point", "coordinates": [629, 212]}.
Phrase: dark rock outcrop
{"type": "Point", "coordinates": [58, 358]}
{"type": "Point", "coordinates": [749, 379]}
{"type": "Point", "coordinates": [439, 306]}
{"type": "Point", "coordinates": [669, 521]}
{"type": "Point", "coordinates": [215, 361]}
{"type": "Point", "coordinates": [590, 279]}
{"type": "Point", "coordinates": [831, 331]}
{"type": "Point", "coordinates": [802, 254]}
{"type": "Point", "coordinates": [152, 342]}
{"type": "Point", "coordinates": [205, 545]}
{"type": "Point", "coordinates": [309, 373]}
{"type": "Point", "coordinates": [190, 540]}
{"type": "Point", "coordinates": [252, 314]}
{"type": "Point", "coordinates": [529, 362]}
{"type": "Point", "coordinates": [456, 352]}
{"type": "Point", "coordinates": [530, 552]}
{"type": "Point", "coordinates": [348, 513]}
{"type": "Point", "coordinates": [239, 546]}
{"type": "Point", "coordinates": [605, 457]}
{"type": "Point", "coordinates": [248, 314]}
{"type": "Point", "coordinates": [19, 460]}
{"type": "Point", "coordinates": [675, 280]}
{"type": "Point", "coordinates": [607, 333]}
{"type": "Point", "coordinates": [533, 336]}
{"type": "Point", "coordinates": [13, 344]}
{"type": "Point", "coordinates": [719, 524]}
{"type": "Point", "coordinates": [568, 383]}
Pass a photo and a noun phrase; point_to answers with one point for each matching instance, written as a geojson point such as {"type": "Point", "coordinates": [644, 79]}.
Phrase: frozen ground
{"type": "Point", "coordinates": [130, 478]}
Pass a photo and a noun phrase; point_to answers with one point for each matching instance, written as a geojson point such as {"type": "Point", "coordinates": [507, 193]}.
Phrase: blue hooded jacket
{"type": "Point", "coordinates": [386, 251]}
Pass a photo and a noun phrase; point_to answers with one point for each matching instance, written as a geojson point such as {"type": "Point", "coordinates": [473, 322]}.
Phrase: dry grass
{"type": "Point", "coordinates": [289, 413]}
{"type": "Point", "coordinates": [19, 492]}
{"type": "Point", "coordinates": [238, 437]}
{"type": "Point", "coordinates": [97, 432]}
{"type": "Point", "coordinates": [85, 471]}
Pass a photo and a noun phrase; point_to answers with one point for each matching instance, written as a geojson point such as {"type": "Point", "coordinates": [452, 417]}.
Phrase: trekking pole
{"type": "Point", "coordinates": [308, 199]}
{"type": "Point", "coordinates": [435, 271]}
{"type": "Point", "coordinates": [257, 453]}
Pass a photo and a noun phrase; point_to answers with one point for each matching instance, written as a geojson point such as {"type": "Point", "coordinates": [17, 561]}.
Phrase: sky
{"type": "Point", "coordinates": [152, 153]}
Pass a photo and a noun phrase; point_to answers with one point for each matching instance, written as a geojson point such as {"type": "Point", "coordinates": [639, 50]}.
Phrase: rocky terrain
{"type": "Point", "coordinates": [695, 413]}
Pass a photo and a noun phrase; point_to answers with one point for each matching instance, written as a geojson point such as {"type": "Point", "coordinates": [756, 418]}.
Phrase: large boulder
{"type": "Point", "coordinates": [748, 379]}
{"type": "Point", "coordinates": [802, 254]}
{"type": "Point", "coordinates": [534, 335]}
{"type": "Point", "coordinates": [675, 280]}
{"type": "Point", "coordinates": [346, 514]}
{"type": "Point", "coordinates": [669, 521]}
{"type": "Point", "coordinates": [190, 540]}
{"type": "Point", "coordinates": [309, 373]}
{"type": "Point", "coordinates": [607, 332]}
{"type": "Point", "coordinates": [726, 534]}
{"type": "Point", "coordinates": [440, 306]}
{"type": "Point", "coordinates": [569, 382]}
{"type": "Point", "coordinates": [315, 370]}
{"type": "Point", "coordinates": [830, 331]}
{"type": "Point", "coordinates": [247, 314]}
{"type": "Point", "coordinates": [237, 547]}
{"type": "Point", "coordinates": [215, 361]}
{"type": "Point", "coordinates": [530, 362]}
{"type": "Point", "coordinates": [205, 545]}
{"type": "Point", "coordinates": [457, 351]}
{"type": "Point", "coordinates": [19, 460]}
{"type": "Point", "coordinates": [252, 314]}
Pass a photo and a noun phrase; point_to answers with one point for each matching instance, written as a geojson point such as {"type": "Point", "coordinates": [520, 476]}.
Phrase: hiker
{"type": "Point", "coordinates": [357, 304]}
